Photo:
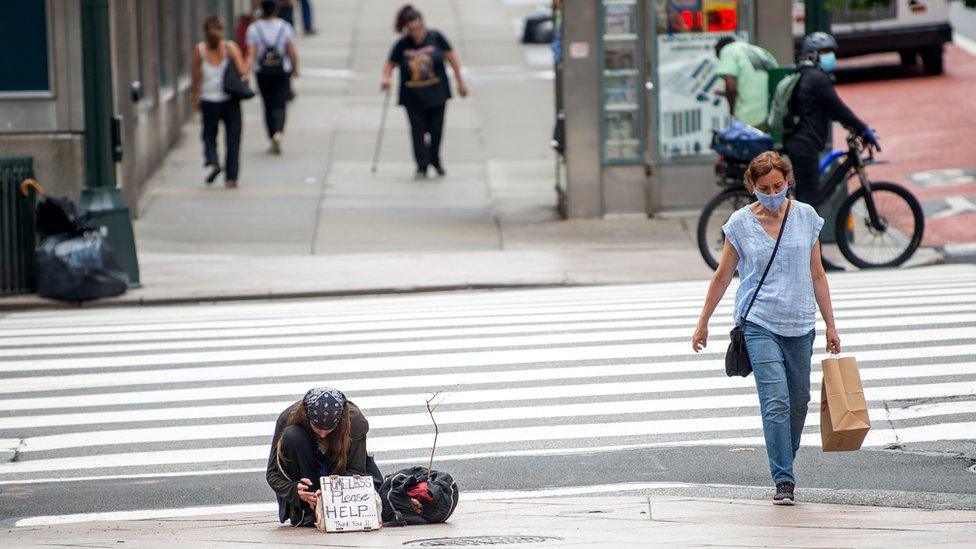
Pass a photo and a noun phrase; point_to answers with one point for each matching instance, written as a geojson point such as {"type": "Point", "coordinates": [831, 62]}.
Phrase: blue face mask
{"type": "Point", "coordinates": [771, 202]}
{"type": "Point", "coordinates": [828, 61]}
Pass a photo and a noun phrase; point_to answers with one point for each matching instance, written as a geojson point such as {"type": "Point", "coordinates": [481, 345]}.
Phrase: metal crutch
{"type": "Point", "coordinates": [379, 136]}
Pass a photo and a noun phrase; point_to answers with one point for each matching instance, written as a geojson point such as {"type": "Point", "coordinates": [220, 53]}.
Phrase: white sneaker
{"type": "Point", "coordinates": [276, 143]}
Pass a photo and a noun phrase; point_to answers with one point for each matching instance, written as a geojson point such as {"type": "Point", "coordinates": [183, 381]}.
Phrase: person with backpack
{"type": "Point", "coordinates": [803, 106]}
{"type": "Point", "coordinates": [212, 57]}
{"type": "Point", "coordinates": [424, 88]}
{"type": "Point", "coordinates": [745, 68]}
{"type": "Point", "coordinates": [320, 435]}
{"type": "Point", "coordinates": [271, 51]}
{"type": "Point", "coordinates": [773, 245]}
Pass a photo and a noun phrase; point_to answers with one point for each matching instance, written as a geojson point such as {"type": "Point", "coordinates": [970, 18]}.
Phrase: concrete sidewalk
{"type": "Point", "coordinates": [616, 522]}
{"type": "Point", "coordinates": [316, 222]}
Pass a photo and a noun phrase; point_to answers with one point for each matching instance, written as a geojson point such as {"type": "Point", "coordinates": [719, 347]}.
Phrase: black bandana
{"type": "Point", "coordinates": [323, 405]}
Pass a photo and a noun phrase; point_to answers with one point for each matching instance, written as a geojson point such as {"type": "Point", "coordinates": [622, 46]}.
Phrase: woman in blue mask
{"type": "Point", "coordinates": [778, 322]}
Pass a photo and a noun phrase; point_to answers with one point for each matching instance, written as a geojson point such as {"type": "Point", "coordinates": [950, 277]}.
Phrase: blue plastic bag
{"type": "Point", "coordinates": [741, 142]}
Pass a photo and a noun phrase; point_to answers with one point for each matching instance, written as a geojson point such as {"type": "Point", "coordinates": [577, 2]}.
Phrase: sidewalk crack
{"type": "Point", "coordinates": [10, 453]}
{"type": "Point", "coordinates": [897, 445]}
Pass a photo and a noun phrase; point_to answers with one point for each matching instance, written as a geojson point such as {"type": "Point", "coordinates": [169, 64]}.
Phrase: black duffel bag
{"type": "Point", "coordinates": [436, 493]}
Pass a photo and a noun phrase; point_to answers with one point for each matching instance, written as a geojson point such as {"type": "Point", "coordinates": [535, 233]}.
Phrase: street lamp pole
{"type": "Point", "coordinates": [101, 197]}
{"type": "Point", "coordinates": [816, 17]}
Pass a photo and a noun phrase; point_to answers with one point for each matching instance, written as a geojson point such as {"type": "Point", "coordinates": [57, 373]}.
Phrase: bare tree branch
{"type": "Point", "coordinates": [430, 410]}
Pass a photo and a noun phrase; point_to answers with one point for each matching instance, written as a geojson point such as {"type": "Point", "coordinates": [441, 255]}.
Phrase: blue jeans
{"type": "Point", "coordinates": [307, 15]}
{"type": "Point", "coordinates": [782, 369]}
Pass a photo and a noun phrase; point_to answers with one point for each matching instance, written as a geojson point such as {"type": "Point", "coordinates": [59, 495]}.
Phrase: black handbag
{"type": "Point", "coordinates": [233, 85]}
{"type": "Point", "coordinates": [737, 361]}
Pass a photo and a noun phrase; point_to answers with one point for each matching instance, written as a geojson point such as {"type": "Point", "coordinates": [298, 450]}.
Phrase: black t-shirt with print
{"type": "Point", "coordinates": [423, 78]}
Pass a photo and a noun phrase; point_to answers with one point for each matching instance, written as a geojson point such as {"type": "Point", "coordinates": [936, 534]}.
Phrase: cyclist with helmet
{"type": "Point", "coordinates": [816, 103]}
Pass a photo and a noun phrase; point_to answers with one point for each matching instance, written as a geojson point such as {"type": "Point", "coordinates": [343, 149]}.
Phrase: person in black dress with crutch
{"type": "Point", "coordinates": [424, 87]}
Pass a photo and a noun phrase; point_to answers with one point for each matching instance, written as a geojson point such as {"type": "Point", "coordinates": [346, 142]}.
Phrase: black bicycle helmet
{"type": "Point", "coordinates": [818, 41]}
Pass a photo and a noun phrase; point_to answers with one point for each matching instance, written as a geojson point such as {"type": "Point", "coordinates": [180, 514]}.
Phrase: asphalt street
{"type": "Point", "coordinates": [132, 409]}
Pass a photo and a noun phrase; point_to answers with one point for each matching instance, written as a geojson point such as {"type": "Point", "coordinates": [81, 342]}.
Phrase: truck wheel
{"type": "Point", "coordinates": [908, 58]}
{"type": "Point", "coordinates": [932, 59]}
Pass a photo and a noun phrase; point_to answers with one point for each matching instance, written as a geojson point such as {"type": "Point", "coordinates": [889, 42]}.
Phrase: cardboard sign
{"type": "Point", "coordinates": [348, 504]}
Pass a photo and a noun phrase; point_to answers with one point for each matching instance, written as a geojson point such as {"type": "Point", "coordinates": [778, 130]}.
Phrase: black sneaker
{"type": "Point", "coordinates": [421, 173]}
{"type": "Point", "coordinates": [784, 494]}
{"type": "Point", "coordinates": [215, 170]}
{"type": "Point", "coordinates": [440, 171]}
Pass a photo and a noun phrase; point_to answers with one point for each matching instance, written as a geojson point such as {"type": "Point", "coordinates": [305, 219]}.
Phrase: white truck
{"type": "Point", "coordinates": [913, 28]}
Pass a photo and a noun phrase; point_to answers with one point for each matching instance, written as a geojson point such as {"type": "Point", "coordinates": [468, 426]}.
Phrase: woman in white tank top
{"type": "Point", "coordinates": [212, 57]}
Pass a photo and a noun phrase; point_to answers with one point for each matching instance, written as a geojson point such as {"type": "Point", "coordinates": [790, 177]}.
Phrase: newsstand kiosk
{"type": "Point", "coordinates": [637, 98]}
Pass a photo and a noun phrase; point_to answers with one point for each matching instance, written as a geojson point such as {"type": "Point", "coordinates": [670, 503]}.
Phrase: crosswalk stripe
{"type": "Point", "coordinates": [455, 381]}
{"type": "Point", "coordinates": [378, 405]}
{"type": "Point", "coordinates": [680, 304]}
{"type": "Point", "coordinates": [602, 344]}
{"type": "Point", "coordinates": [392, 443]}
{"type": "Point", "coordinates": [838, 282]}
{"type": "Point", "coordinates": [497, 324]}
{"type": "Point", "coordinates": [258, 340]}
{"type": "Point", "coordinates": [464, 360]}
{"type": "Point", "coordinates": [578, 411]}
{"type": "Point", "coordinates": [528, 372]}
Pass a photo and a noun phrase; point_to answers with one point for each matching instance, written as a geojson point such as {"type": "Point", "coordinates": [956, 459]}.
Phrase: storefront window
{"type": "Point", "coordinates": [622, 80]}
{"type": "Point", "coordinates": [691, 97]}
{"type": "Point", "coordinates": [164, 47]}
{"type": "Point", "coordinates": [23, 39]}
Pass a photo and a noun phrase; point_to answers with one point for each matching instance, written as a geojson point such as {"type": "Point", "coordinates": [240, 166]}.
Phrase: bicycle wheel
{"type": "Point", "coordinates": [711, 239]}
{"type": "Point", "coordinates": [901, 229]}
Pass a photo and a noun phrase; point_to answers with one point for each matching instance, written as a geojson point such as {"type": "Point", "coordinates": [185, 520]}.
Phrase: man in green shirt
{"type": "Point", "coordinates": [744, 67]}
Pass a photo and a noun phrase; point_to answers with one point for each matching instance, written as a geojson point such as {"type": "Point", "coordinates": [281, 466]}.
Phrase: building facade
{"type": "Point", "coordinates": [41, 94]}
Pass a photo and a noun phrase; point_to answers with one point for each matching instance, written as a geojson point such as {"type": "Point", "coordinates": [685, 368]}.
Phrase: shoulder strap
{"type": "Point", "coordinates": [759, 61]}
{"type": "Point", "coordinates": [261, 38]}
{"type": "Point", "coordinates": [769, 264]}
{"type": "Point", "coordinates": [281, 29]}
{"type": "Point", "coordinates": [791, 102]}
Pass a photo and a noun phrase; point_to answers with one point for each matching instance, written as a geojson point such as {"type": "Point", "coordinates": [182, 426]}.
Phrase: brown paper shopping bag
{"type": "Point", "coordinates": [843, 411]}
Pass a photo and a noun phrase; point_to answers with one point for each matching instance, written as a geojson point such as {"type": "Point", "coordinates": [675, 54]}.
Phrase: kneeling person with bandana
{"type": "Point", "coordinates": [322, 434]}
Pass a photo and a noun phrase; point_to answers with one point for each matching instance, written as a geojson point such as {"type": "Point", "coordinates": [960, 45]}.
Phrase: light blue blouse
{"type": "Point", "coordinates": [786, 304]}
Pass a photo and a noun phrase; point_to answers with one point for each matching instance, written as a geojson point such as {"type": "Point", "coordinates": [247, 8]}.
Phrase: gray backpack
{"type": "Point", "coordinates": [781, 118]}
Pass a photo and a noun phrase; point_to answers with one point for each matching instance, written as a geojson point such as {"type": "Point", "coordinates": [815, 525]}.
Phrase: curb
{"type": "Point", "coordinates": [959, 253]}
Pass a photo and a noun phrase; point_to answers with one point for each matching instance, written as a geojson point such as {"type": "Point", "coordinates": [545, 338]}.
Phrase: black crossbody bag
{"type": "Point", "coordinates": [737, 361]}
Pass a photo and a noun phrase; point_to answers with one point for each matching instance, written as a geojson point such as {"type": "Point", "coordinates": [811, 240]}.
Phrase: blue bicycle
{"type": "Point", "coordinates": [880, 224]}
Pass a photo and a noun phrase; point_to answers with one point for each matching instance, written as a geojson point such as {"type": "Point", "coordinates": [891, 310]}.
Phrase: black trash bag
{"type": "Point", "coordinates": [55, 216]}
{"type": "Point", "coordinates": [78, 268]}
{"type": "Point", "coordinates": [398, 510]}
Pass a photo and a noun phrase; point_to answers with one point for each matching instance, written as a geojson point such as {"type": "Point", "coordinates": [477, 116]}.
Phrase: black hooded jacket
{"type": "Point", "coordinates": [816, 102]}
